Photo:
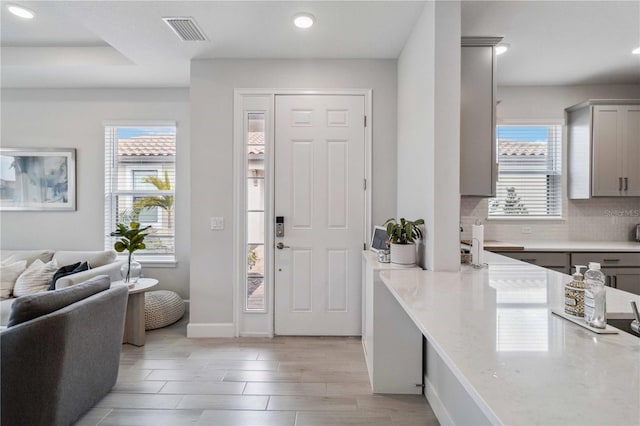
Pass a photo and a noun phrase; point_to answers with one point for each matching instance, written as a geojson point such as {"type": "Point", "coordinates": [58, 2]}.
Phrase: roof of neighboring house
{"type": "Point", "coordinates": [507, 147]}
{"type": "Point", "coordinates": [256, 138]}
{"type": "Point", "coordinates": [148, 146]}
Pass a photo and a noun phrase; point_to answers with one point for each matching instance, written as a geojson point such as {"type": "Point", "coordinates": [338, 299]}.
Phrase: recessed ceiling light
{"type": "Point", "coordinates": [636, 51]}
{"type": "Point", "coordinates": [304, 20]}
{"type": "Point", "coordinates": [20, 11]}
{"type": "Point", "coordinates": [501, 48]}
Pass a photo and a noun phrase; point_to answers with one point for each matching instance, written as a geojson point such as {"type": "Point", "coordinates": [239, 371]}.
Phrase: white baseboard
{"type": "Point", "coordinates": [257, 334]}
{"type": "Point", "coordinates": [436, 404]}
{"type": "Point", "coordinates": [201, 330]}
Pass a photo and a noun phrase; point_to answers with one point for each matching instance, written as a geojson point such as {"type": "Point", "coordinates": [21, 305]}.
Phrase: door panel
{"type": "Point", "coordinates": [319, 172]}
{"type": "Point", "coordinates": [607, 164]}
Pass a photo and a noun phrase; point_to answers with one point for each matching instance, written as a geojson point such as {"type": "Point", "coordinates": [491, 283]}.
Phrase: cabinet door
{"type": "Point", "coordinates": [631, 149]}
{"type": "Point", "coordinates": [478, 172]}
{"type": "Point", "coordinates": [607, 151]}
{"type": "Point", "coordinates": [627, 282]}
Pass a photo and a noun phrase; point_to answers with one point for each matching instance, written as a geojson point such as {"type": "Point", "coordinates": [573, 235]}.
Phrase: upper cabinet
{"type": "Point", "coordinates": [604, 149]}
{"type": "Point", "coordinates": [478, 168]}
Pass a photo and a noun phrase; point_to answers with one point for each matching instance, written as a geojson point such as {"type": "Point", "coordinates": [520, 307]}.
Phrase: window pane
{"type": "Point", "coordinates": [255, 293]}
{"type": "Point", "coordinates": [255, 149]}
{"type": "Point", "coordinates": [529, 171]}
{"type": "Point", "coordinates": [140, 182]}
{"type": "Point", "coordinates": [255, 227]}
{"type": "Point", "coordinates": [255, 259]}
{"type": "Point", "coordinates": [255, 194]}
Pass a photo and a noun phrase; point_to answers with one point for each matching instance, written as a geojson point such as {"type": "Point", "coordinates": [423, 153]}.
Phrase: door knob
{"type": "Point", "coordinates": [281, 246]}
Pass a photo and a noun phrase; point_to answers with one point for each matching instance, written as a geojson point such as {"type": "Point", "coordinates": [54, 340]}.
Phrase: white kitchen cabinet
{"type": "Point", "coordinates": [478, 167]}
{"type": "Point", "coordinates": [370, 275]}
{"type": "Point", "coordinates": [604, 149]}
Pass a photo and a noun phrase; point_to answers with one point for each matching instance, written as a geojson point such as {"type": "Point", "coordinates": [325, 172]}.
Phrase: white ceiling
{"type": "Point", "coordinates": [126, 44]}
{"type": "Point", "coordinates": [560, 42]}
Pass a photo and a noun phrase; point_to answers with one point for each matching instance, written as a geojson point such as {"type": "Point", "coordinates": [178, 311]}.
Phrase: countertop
{"type": "Point", "coordinates": [521, 364]}
{"type": "Point", "coordinates": [576, 246]}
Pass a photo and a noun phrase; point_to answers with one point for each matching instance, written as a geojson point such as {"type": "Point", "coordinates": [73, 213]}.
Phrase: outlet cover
{"type": "Point", "coordinates": [526, 230]}
{"type": "Point", "coordinates": [217, 223]}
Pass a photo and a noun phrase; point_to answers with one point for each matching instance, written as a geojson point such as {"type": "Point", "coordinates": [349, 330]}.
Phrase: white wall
{"type": "Point", "coordinates": [429, 132]}
{"type": "Point", "coordinates": [212, 85]}
{"type": "Point", "coordinates": [542, 102]}
{"type": "Point", "coordinates": [63, 118]}
{"type": "Point", "coordinates": [604, 219]}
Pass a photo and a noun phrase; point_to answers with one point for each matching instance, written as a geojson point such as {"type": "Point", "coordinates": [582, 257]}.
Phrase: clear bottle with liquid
{"type": "Point", "coordinates": [595, 304]}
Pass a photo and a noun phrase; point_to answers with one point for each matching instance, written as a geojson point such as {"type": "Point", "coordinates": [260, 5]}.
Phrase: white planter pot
{"type": "Point", "coordinates": [403, 254]}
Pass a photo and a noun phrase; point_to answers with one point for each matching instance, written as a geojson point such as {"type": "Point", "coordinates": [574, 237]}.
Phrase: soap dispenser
{"type": "Point", "coordinates": [574, 294]}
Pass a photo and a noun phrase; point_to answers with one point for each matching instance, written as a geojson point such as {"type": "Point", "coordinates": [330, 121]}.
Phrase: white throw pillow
{"type": "Point", "coordinates": [36, 278]}
{"type": "Point", "coordinates": [9, 273]}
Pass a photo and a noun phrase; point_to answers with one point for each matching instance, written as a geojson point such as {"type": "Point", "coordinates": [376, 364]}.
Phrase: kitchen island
{"type": "Point", "coordinates": [495, 354]}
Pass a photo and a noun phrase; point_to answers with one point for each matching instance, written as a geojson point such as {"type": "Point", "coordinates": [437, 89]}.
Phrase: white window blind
{"type": "Point", "coordinates": [529, 172]}
{"type": "Point", "coordinates": [140, 183]}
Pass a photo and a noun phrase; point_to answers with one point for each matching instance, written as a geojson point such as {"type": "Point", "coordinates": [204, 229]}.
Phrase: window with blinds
{"type": "Point", "coordinates": [529, 172]}
{"type": "Point", "coordinates": [140, 178]}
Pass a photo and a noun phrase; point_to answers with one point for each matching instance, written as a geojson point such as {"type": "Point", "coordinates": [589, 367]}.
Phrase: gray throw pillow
{"type": "Point", "coordinates": [32, 306]}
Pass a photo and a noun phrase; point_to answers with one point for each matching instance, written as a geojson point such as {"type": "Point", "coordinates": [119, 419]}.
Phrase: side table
{"type": "Point", "coordinates": [134, 332]}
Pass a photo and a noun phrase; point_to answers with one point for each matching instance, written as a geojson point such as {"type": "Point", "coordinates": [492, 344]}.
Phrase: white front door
{"type": "Point", "coordinates": [319, 192]}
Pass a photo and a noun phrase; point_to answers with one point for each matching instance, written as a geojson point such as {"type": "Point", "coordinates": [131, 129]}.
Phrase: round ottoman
{"type": "Point", "coordinates": [162, 308]}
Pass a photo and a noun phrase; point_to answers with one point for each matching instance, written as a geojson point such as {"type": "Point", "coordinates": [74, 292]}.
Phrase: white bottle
{"type": "Point", "coordinates": [595, 306]}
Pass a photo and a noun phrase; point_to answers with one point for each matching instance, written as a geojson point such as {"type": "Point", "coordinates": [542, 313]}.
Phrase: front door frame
{"type": "Point", "coordinates": [261, 324]}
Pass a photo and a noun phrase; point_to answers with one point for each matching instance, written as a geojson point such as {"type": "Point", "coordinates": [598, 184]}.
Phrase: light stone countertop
{"type": "Point", "coordinates": [521, 364]}
{"type": "Point", "coordinates": [576, 246]}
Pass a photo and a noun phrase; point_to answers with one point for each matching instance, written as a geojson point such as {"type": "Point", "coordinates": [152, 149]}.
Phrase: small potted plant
{"type": "Point", "coordinates": [131, 239]}
{"type": "Point", "coordinates": [402, 236]}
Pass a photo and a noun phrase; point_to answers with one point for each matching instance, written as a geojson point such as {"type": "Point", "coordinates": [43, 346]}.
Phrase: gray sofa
{"type": "Point", "coordinates": [101, 262]}
{"type": "Point", "coordinates": [60, 353]}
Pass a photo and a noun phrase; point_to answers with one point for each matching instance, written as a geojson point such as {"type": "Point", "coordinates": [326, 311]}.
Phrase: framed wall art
{"type": "Point", "coordinates": [37, 179]}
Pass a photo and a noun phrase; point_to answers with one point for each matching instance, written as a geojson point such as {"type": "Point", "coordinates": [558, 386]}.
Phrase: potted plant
{"type": "Point", "coordinates": [402, 236]}
{"type": "Point", "coordinates": [131, 239]}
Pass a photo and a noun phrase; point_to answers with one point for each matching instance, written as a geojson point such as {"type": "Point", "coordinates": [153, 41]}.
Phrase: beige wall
{"type": "Point", "coordinates": [64, 118]}
{"type": "Point", "coordinates": [212, 86]}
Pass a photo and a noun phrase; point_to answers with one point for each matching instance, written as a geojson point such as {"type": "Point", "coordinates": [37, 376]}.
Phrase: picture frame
{"type": "Point", "coordinates": [37, 179]}
{"type": "Point", "coordinates": [379, 239]}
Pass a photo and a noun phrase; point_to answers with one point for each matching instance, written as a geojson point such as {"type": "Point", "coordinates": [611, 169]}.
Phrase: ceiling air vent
{"type": "Point", "coordinates": [185, 28]}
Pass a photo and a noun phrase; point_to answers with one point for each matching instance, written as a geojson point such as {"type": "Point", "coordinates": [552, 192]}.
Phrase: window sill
{"type": "Point", "coordinates": [154, 261]}
{"type": "Point", "coordinates": [525, 218]}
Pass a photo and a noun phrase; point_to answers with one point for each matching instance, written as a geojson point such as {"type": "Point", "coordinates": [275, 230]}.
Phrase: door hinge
{"type": "Point", "coordinates": [365, 121]}
{"type": "Point", "coordinates": [364, 184]}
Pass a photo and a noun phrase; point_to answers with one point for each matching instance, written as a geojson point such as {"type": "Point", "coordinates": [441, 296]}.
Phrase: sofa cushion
{"type": "Point", "coordinates": [35, 279]}
{"type": "Point", "coordinates": [9, 273]}
{"type": "Point", "coordinates": [94, 258]}
{"type": "Point", "coordinates": [5, 311]}
{"type": "Point", "coordinates": [33, 306]}
{"type": "Point", "coordinates": [29, 255]}
{"type": "Point", "coordinates": [68, 270]}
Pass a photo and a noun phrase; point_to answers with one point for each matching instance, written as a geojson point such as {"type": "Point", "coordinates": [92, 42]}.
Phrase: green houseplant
{"type": "Point", "coordinates": [131, 238]}
{"type": "Point", "coordinates": [402, 236]}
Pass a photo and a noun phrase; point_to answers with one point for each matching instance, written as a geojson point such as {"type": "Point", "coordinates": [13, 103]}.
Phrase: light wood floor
{"type": "Point", "coordinates": [247, 381]}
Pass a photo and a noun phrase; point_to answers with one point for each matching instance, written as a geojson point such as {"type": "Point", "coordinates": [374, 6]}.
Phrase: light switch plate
{"type": "Point", "coordinates": [217, 223]}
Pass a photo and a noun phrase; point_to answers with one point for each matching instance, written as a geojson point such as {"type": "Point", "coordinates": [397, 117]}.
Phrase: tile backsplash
{"type": "Point", "coordinates": [597, 219]}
